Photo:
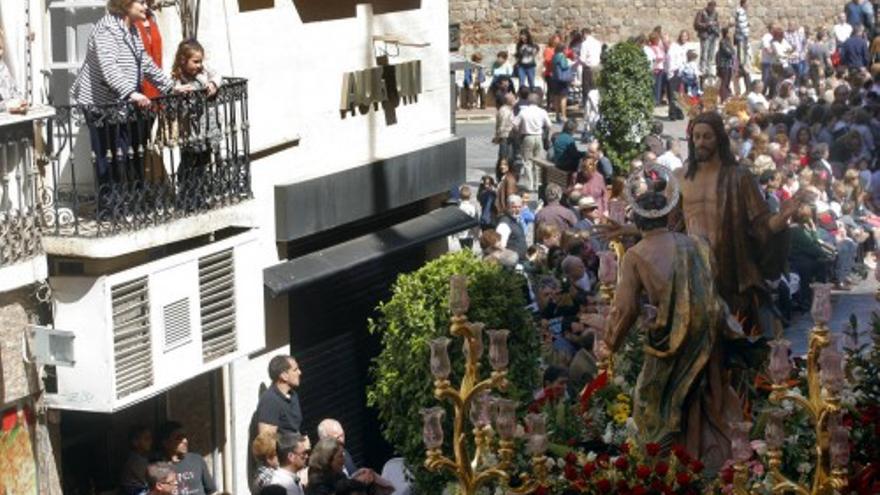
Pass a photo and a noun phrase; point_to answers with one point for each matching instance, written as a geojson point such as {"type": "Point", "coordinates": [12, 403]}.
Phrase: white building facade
{"type": "Point", "coordinates": [164, 295]}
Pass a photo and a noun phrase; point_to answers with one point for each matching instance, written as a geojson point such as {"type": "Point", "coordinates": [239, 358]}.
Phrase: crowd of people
{"type": "Point", "coordinates": [809, 122]}
{"type": "Point", "coordinates": [283, 459]}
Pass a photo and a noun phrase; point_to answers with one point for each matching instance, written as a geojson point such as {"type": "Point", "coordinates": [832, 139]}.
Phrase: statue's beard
{"type": "Point", "coordinates": [704, 155]}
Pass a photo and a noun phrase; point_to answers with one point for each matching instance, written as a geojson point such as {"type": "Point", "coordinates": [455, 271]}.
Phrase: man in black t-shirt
{"type": "Point", "coordinates": [193, 477]}
{"type": "Point", "coordinates": [278, 409]}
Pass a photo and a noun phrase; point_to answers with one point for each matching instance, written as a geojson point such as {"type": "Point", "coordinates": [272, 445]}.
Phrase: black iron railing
{"type": "Point", "coordinates": [119, 168]}
{"type": "Point", "coordinates": [20, 212]}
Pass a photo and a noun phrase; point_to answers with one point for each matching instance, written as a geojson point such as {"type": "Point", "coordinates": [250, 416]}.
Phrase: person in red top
{"type": "Point", "coordinates": [549, 52]}
{"type": "Point", "coordinates": [152, 40]}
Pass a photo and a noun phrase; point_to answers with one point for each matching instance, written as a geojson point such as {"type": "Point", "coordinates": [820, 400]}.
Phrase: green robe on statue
{"type": "Point", "coordinates": [682, 394]}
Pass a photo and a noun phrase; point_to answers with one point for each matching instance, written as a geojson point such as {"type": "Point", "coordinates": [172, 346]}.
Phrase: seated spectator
{"type": "Point", "coordinates": [770, 182]}
{"type": "Point", "coordinates": [326, 476]}
{"type": "Point", "coordinates": [654, 142]}
{"type": "Point", "coordinates": [566, 156]}
{"type": "Point", "coordinates": [808, 257]}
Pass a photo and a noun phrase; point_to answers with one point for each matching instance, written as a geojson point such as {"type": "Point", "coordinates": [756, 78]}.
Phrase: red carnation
{"type": "Point", "coordinates": [652, 449]}
{"type": "Point", "coordinates": [683, 478]}
{"type": "Point", "coordinates": [639, 490]}
{"type": "Point", "coordinates": [603, 485]}
{"type": "Point", "coordinates": [570, 473]}
{"type": "Point", "coordinates": [621, 463]}
{"type": "Point", "coordinates": [697, 466]}
{"type": "Point", "coordinates": [603, 459]}
{"type": "Point", "coordinates": [642, 472]}
{"type": "Point", "coordinates": [588, 469]}
{"type": "Point", "coordinates": [727, 475]}
{"type": "Point", "coordinates": [571, 458]}
{"type": "Point", "coordinates": [661, 468]}
{"type": "Point", "coordinates": [681, 453]}
{"type": "Point", "coordinates": [10, 419]}
{"type": "Point", "coordinates": [622, 486]}
{"type": "Point", "coordinates": [658, 485]}
{"type": "Point", "coordinates": [624, 447]}
{"type": "Point", "coordinates": [541, 490]}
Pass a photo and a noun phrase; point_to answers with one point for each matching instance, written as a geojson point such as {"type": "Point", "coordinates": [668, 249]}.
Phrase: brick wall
{"type": "Point", "coordinates": [493, 24]}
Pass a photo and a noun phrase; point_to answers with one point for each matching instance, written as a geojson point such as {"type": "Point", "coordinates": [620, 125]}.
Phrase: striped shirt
{"type": "Point", "coordinates": [741, 18]}
{"type": "Point", "coordinates": [115, 65]}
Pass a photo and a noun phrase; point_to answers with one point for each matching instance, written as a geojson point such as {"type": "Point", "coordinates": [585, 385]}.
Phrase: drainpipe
{"type": "Point", "coordinates": [215, 451]}
{"type": "Point", "coordinates": [229, 461]}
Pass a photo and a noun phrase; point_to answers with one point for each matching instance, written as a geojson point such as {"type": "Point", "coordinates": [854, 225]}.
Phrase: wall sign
{"type": "Point", "coordinates": [386, 85]}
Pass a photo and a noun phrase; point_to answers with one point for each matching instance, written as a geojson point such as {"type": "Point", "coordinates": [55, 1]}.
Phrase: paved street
{"type": "Point", "coordinates": [478, 128]}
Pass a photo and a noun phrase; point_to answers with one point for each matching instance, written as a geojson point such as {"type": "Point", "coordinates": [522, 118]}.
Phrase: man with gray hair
{"type": "Point", "coordinates": [512, 232]}
{"type": "Point", "coordinates": [330, 428]}
{"type": "Point", "coordinates": [531, 123]}
{"type": "Point", "coordinates": [161, 479]}
{"type": "Point", "coordinates": [554, 213]}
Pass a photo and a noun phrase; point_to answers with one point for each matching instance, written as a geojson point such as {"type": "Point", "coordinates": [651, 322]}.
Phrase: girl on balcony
{"type": "Point", "coordinates": [110, 79]}
{"type": "Point", "coordinates": [10, 97]}
{"type": "Point", "coordinates": [199, 125]}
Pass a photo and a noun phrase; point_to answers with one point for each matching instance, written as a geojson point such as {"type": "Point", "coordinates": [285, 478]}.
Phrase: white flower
{"type": "Point", "coordinates": [619, 381]}
{"type": "Point", "coordinates": [792, 439]}
{"type": "Point", "coordinates": [759, 446]}
{"type": "Point", "coordinates": [591, 456]}
{"type": "Point", "coordinates": [607, 437]}
{"type": "Point", "coordinates": [632, 429]}
{"type": "Point", "coordinates": [560, 462]}
{"type": "Point", "coordinates": [788, 406]}
{"type": "Point", "coordinates": [804, 467]}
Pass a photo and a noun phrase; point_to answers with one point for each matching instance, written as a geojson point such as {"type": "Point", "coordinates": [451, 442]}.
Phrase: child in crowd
{"type": "Point", "coordinates": [690, 74]}
{"type": "Point", "coordinates": [473, 84]}
{"type": "Point", "coordinates": [465, 239]}
{"type": "Point", "coordinates": [11, 99]}
{"type": "Point", "coordinates": [200, 128]}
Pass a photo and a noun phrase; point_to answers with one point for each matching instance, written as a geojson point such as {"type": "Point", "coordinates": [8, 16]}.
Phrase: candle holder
{"type": "Point", "coordinates": [825, 379]}
{"type": "Point", "coordinates": [490, 416]}
{"type": "Point", "coordinates": [609, 276]}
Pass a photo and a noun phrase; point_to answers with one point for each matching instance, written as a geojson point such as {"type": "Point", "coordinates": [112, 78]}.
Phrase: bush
{"type": "Point", "coordinates": [418, 312]}
{"type": "Point", "coordinates": [626, 103]}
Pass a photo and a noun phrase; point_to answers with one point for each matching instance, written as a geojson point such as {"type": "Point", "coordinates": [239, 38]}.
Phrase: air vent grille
{"type": "Point", "coordinates": [178, 327]}
{"type": "Point", "coordinates": [217, 304]}
{"type": "Point", "coordinates": [132, 351]}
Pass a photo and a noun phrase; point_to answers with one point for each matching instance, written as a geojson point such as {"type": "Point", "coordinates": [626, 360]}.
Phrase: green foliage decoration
{"type": "Point", "coordinates": [626, 102]}
{"type": "Point", "coordinates": [416, 313]}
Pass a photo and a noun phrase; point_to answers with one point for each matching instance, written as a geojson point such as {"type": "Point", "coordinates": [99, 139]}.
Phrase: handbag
{"type": "Point", "coordinates": [154, 166]}
{"type": "Point", "coordinates": [563, 74]}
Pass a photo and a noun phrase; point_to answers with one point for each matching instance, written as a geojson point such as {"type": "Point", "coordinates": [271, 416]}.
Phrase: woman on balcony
{"type": "Point", "coordinates": [109, 87]}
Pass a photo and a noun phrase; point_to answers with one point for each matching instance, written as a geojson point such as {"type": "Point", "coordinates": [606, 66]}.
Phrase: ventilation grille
{"type": "Point", "coordinates": [178, 328]}
{"type": "Point", "coordinates": [217, 303]}
{"type": "Point", "coordinates": [132, 351]}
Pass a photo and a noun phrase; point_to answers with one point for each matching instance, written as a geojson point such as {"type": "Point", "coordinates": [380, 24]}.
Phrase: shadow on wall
{"type": "Point", "coordinates": [326, 10]}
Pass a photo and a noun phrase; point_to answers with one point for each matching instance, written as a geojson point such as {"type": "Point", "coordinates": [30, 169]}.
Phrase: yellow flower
{"type": "Point", "coordinates": [620, 418]}
{"type": "Point", "coordinates": [623, 398]}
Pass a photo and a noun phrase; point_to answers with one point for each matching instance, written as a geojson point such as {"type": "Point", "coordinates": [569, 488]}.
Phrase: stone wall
{"type": "Point", "coordinates": [493, 24]}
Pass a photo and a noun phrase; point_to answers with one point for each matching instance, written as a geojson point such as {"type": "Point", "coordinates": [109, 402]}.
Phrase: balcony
{"type": "Point", "coordinates": [22, 260]}
{"type": "Point", "coordinates": [124, 179]}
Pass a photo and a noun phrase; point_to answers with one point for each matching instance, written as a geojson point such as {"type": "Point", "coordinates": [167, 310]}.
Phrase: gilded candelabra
{"type": "Point", "coordinates": [609, 273]}
{"type": "Point", "coordinates": [825, 379]}
{"type": "Point", "coordinates": [472, 401]}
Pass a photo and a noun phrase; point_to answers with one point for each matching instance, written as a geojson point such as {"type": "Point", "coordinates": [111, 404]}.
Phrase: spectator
{"type": "Point", "coordinates": [532, 123]}
{"type": "Point", "coordinates": [526, 55]}
{"type": "Point", "coordinates": [756, 101]}
{"type": "Point", "coordinates": [808, 257]}
{"type": "Point", "coordinates": [330, 428]}
{"type": "Point", "coordinates": [134, 472]}
{"type": "Point", "coordinates": [326, 476]}
{"type": "Point", "coordinates": [854, 51]}
{"type": "Point", "coordinates": [293, 455]}
{"type": "Point", "coordinates": [151, 37]}
{"type": "Point", "coordinates": [115, 61]}
{"type": "Point", "coordinates": [676, 58]}
{"type": "Point", "coordinates": [504, 135]}
{"type": "Point", "coordinates": [474, 77]}
{"type": "Point", "coordinates": [589, 211]}
{"type": "Point", "coordinates": [193, 477]}
{"type": "Point", "coordinates": [264, 450]}
{"type": "Point", "coordinates": [566, 155]}
{"type": "Point", "coordinates": [591, 58]}
{"type": "Point", "coordinates": [842, 30]}
{"type": "Point", "coordinates": [708, 29]}
{"type": "Point", "coordinates": [592, 183]}
{"type": "Point", "coordinates": [11, 99]}
{"type": "Point", "coordinates": [853, 12]}
{"type": "Point", "coordinates": [670, 158]}
{"type": "Point", "coordinates": [725, 61]}
{"type": "Point", "coordinates": [603, 164]}
{"type": "Point", "coordinates": [507, 186]}
{"type": "Point", "coordinates": [161, 479]}
{"type": "Point", "coordinates": [554, 213]}
{"type": "Point", "coordinates": [654, 142]}
{"type": "Point", "coordinates": [741, 38]}
{"type": "Point", "coordinates": [657, 55]}
{"type": "Point", "coordinates": [549, 52]}
{"type": "Point", "coordinates": [510, 228]}
{"type": "Point", "coordinates": [486, 197]}
{"type": "Point", "coordinates": [278, 409]}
